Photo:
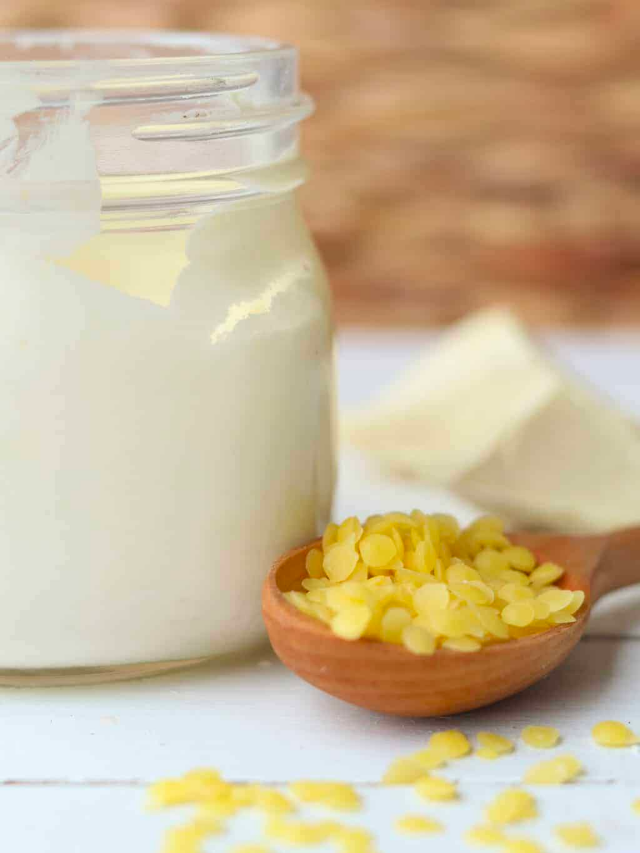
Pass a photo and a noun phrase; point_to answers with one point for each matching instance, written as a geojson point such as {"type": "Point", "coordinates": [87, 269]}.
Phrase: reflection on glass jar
{"type": "Point", "coordinates": [165, 349]}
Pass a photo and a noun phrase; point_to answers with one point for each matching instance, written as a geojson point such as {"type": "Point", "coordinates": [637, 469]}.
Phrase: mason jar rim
{"type": "Point", "coordinates": [137, 49]}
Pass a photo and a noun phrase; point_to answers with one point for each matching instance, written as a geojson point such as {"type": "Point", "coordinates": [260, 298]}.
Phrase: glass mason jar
{"type": "Point", "coordinates": [165, 348]}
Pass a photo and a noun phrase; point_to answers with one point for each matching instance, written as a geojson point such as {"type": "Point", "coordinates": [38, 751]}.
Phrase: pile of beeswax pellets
{"type": "Point", "coordinates": [420, 581]}
{"type": "Point", "coordinates": [216, 800]}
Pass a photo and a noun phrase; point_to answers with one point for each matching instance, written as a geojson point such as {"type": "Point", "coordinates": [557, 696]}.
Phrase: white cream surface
{"type": "Point", "coordinates": [166, 428]}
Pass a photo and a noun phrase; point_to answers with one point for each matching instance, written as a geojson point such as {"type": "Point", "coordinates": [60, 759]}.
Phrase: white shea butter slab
{"type": "Point", "coordinates": [491, 417]}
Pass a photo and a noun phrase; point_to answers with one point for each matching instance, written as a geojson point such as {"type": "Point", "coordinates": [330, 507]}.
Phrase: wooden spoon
{"type": "Point", "coordinates": [385, 677]}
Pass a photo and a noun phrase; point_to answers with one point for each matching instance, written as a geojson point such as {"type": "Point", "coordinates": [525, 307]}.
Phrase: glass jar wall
{"type": "Point", "coordinates": [165, 367]}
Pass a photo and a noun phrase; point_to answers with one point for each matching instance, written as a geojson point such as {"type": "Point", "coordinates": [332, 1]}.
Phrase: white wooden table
{"type": "Point", "coordinates": [74, 761]}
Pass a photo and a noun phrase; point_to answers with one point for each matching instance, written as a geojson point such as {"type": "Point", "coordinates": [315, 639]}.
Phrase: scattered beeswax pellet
{"type": "Point", "coordinates": [298, 831]}
{"type": "Point", "coordinates": [334, 795]}
{"type": "Point", "coordinates": [487, 753]}
{"type": "Point", "coordinates": [511, 806]}
{"type": "Point", "coordinates": [635, 805]}
{"type": "Point", "coordinates": [250, 848]}
{"type": "Point", "coordinates": [540, 737]}
{"type": "Point", "coordinates": [484, 836]}
{"type": "Point", "coordinates": [353, 839]}
{"type": "Point", "coordinates": [403, 771]}
{"type": "Point", "coordinates": [556, 771]}
{"type": "Point", "coordinates": [577, 835]}
{"type": "Point", "coordinates": [496, 743]}
{"type": "Point", "coordinates": [418, 581]}
{"type": "Point", "coordinates": [520, 845]}
{"type": "Point", "coordinates": [436, 788]}
{"type": "Point", "coordinates": [450, 744]}
{"type": "Point", "coordinates": [418, 825]}
{"type": "Point", "coordinates": [273, 802]}
{"type": "Point", "coordinates": [183, 839]}
{"type": "Point", "coordinates": [428, 759]}
{"type": "Point", "coordinates": [613, 733]}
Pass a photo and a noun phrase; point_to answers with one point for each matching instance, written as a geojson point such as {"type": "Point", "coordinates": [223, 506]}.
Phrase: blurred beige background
{"type": "Point", "coordinates": [465, 152]}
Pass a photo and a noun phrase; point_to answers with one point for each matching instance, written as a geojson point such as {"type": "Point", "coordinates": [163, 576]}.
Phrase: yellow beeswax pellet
{"type": "Point", "coordinates": [546, 573]}
{"type": "Point", "coordinates": [377, 549]}
{"type": "Point", "coordinates": [557, 599]}
{"type": "Point", "coordinates": [353, 839]}
{"type": "Point", "coordinates": [340, 561]}
{"type": "Point", "coordinates": [486, 753]}
{"type": "Point", "coordinates": [351, 623]}
{"type": "Point", "coordinates": [298, 831]}
{"type": "Point", "coordinates": [577, 601]}
{"type": "Point", "coordinates": [418, 640]}
{"type": "Point", "coordinates": [313, 563]}
{"type": "Point", "coordinates": [540, 737]}
{"type": "Point", "coordinates": [490, 561]}
{"type": "Point", "coordinates": [403, 771]}
{"type": "Point", "coordinates": [428, 759]}
{"type": "Point", "coordinates": [614, 734]}
{"type": "Point", "coordinates": [417, 825]}
{"type": "Point", "coordinates": [394, 621]}
{"type": "Point", "coordinates": [515, 592]}
{"type": "Point", "coordinates": [556, 771]}
{"type": "Point", "coordinates": [450, 744]}
{"type": "Point", "coordinates": [519, 558]}
{"type": "Point", "coordinates": [436, 788]}
{"type": "Point", "coordinates": [635, 805]}
{"type": "Point", "coordinates": [272, 802]}
{"type": "Point", "coordinates": [484, 836]}
{"type": "Point", "coordinates": [492, 622]}
{"type": "Point", "coordinates": [334, 795]}
{"type": "Point", "coordinates": [461, 644]}
{"type": "Point", "coordinates": [183, 839]}
{"type": "Point", "coordinates": [519, 613]}
{"type": "Point", "coordinates": [577, 835]}
{"type": "Point", "coordinates": [520, 845]}
{"type": "Point", "coordinates": [497, 743]}
{"type": "Point", "coordinates": [511, 806]}
{"type": "Point", "coordinates": [250, 848]}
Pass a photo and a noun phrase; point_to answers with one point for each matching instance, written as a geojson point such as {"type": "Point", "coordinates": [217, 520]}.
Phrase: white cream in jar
{"type": "Point", "coordinates": [167, 394]}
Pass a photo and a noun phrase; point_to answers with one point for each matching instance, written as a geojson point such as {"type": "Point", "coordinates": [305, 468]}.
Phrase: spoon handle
{"type": "Point", "coordinates": [619, 565]}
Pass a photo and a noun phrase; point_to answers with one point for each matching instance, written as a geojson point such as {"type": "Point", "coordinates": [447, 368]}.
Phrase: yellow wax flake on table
{"type": "Point", "coordinates": [334, 795]}
{"type": "Point", "coordinates": [486, 753]}
{"type": "Point", "coordinates": [436, 789]}
{"type": "Point", "coordinates": [428, 759]}
{"type": "Point", "coordinates": [635, 805]}
{"type": "Point", "coordinates": [556, 771]}
{"type": "Point", "coordinates": [540, 737]}
{"type": "Point", "coordinates": [273, 802]}
{"type": "Point", "coordinates": [497, 744]}
{"type": "Point", "coordinates": [511, 806]}
{"type": "Point", "coordinates": [403, 771]}
{"type": "Point", "coordinates": [250, 848]}
{"type": "Point", "coordinates": [417, 825]}
{"type": "Point", "coordinates": [484, 836]}
{"type": "Point", "coordinates": [353, 839]}
{"type": "Point", "coordinates": [450, 744]}
{"type": "Point", "coordinates": [184, 839]}
{"type": "Point", "coordinates": [194, 786]}
{"type": "Point", "coordinates": [299, 831]}
{"type": "Point", "coordinates": [613, 733]}
{"type": "Point", "coordinates": [577, 835]}
{"type": "Point", "coordinates": [520, 845]}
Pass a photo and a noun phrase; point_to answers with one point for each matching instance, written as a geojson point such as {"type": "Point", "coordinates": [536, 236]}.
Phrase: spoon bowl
{"type": "Point", "coordinates": [388, 678]}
